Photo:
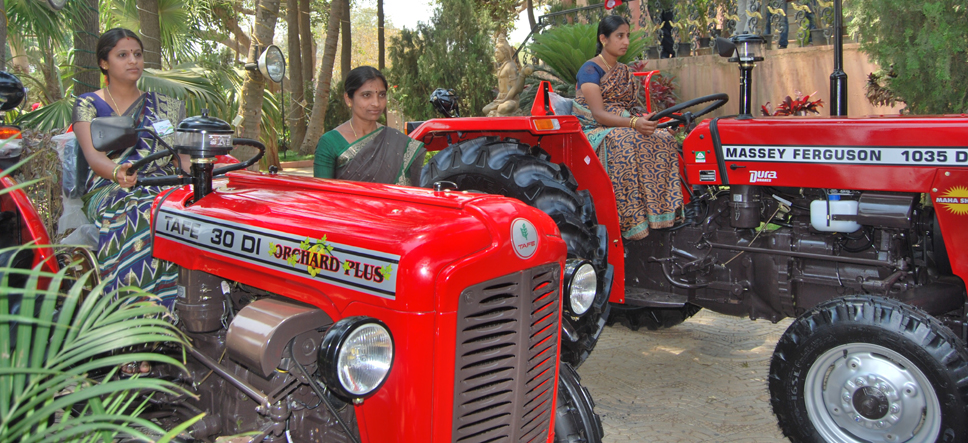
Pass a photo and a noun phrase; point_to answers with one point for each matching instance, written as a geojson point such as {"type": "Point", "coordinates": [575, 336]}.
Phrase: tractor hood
{"type": "Point", "coordinates": [332, 243]}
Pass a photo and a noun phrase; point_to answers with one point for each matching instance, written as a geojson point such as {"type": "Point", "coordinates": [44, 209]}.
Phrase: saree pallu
{"type": "Point", "coordinates": [644, 169]}
{"type": "Point", "coordinates": [122, 215]}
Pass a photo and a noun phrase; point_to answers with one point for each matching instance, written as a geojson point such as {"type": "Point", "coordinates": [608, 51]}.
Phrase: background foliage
{"type": "Point", "coordinates": [922, 44]}
{"type": "Point", "coordinates": [454, 52]}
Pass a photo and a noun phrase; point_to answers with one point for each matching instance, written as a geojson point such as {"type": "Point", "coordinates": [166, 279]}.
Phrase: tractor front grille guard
{"type": "Point", "coordinates": [507, 352]}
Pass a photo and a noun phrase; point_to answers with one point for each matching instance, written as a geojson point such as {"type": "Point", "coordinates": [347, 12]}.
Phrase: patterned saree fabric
{"type": "Point", "coordinates": [382, 156]}
{"type": "Point", "coordinates": [122, 215]}
{"type": "Point", "coordinates": [644, 169]}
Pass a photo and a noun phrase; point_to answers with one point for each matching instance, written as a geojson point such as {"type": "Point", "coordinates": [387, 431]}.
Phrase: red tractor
{"type": "Point", "coordinates": [322, 310]}
{"type": "Point", "coordinates": [856, 227]}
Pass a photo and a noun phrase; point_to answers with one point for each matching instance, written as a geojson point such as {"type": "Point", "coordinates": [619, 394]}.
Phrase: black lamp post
{"type": "Point", "coordinates": [748, 46]}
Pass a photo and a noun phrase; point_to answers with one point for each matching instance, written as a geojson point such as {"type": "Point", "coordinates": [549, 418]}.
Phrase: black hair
{"type": "Point", "coordinates": [109, 40]}
{"type": "Point", "coordinates": [360, 75]}
{"type": "Point", "coordinates": [606, 27]}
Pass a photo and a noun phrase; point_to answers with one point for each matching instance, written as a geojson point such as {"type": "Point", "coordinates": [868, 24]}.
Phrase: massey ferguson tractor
{"type": "Point", "coordinates": [857, 227]}
{"type": "Point", "coordinates": [332, 311]}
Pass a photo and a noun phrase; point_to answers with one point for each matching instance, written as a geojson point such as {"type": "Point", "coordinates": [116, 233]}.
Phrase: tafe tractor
{"type": "Point", "coordinates": [857, 227]}
{"type": "Point", "coordinates": [322, 310]}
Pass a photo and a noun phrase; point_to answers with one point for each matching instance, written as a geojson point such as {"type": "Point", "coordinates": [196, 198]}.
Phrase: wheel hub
{"type": "Point", "coordinates": [871, 403]}
{"type": "Point", "coordinates": [865, 392]}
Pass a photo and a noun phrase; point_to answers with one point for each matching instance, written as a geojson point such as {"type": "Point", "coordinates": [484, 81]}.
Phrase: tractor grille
{"type": "Point", "coordinates": [507, 351]}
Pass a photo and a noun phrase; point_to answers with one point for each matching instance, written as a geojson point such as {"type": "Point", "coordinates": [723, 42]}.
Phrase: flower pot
{"type": "Point", "coordinates": [817, 37]}
{"type": "Point", "coordinates": [653, 52]}
{"type": "Point", "coordinates": [682, 50]}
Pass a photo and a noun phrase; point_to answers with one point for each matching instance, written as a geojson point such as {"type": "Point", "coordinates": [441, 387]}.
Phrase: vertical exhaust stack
{"type": "Point", "coordinates": [747, 48]}
{"type": "Point", "coordinates": [838, 79]}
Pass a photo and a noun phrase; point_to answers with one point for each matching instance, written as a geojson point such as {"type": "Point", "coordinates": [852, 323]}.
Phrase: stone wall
{"type": "Point", "coordinates": [782, 72]}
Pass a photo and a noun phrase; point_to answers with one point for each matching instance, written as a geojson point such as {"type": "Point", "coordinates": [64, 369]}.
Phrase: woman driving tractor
{"type": "Point", "coordinates": [641, 162]}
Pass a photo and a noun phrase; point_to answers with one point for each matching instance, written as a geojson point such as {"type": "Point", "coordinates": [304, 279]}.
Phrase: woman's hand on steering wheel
{"type": "Point", "coordinates": [124, 179]}
{"type": "Point", "coordinates": [645, 125]}
{"type": "Point", "coordinates": [686, 118]}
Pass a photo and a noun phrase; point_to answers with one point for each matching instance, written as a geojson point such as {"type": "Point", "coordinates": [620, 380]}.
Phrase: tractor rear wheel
{"type": "Point", "coordinates": [506, 167]}
{"type": "Point", "coordinates": [863, 368]}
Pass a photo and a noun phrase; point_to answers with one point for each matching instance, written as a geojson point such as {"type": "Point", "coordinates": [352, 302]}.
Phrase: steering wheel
{"type": "Point", "coordinates": [686, 118]}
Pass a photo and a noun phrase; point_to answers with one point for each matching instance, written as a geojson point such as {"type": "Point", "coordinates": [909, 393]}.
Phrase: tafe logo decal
{"type": "Point", "coordinates": [762, 176]}
{"type": "Point", "coordinates": [525, 238]}
{"type": "Point", "coordinates": [955, 200]}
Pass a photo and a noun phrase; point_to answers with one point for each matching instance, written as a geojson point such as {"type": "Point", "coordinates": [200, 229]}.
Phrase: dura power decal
{"type": "Point", "coordinates": [364, 270]}
{"type": "Point", "coordinates": [849, 154]}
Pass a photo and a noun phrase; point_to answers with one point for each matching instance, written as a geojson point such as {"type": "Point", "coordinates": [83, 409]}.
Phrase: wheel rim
{"type": "Point", "coordinates": [862, 392]}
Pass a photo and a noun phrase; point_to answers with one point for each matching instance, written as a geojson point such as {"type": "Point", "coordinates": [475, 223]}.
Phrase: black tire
{"type": "Point", "coordinates": [653, 319]}
{"type": "Point", "coordinates": [575, 417]}
{"type": "Point", "coordinates": [866, 361]}
{"type": "Point", "coordinates": [506, 167]}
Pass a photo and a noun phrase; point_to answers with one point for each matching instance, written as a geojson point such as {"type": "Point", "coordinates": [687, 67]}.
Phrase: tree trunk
{"type": "Point", "coordinates": [308, 46]}
{"type": "Point", "coordinates": [297, 120]}
{"type": "Point", "coordinates": [250, 106]}
{"type": "Point", "coordinates": [321, 99]}
{"type": "Point", "coordinates": [18, 62]}
{"type": "Point", "coordinates": [239, 40]}
{"type": "Point", "coordinates": [52, 82]}
{"type": "Point", "coordinates": [381, 36]}
{"type": "Point", "coordinates": [346, 59]}
{"type": "Point", "coordinates": [3, 36]}
{"type": "Point", "coordinates": [531, 20]}
{"type": "Point", "coordinates": [87, 76]}
{"type": "Point", "coordinates": [150, 32]}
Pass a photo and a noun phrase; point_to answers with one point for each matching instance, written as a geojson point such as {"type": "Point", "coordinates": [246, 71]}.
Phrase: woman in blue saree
{"type": "Point", "coordinates": [363, 150]}
{"type": "Point", "coordinates": [641, 162]}
{"type": "Point", "coordinates": [112, 203]}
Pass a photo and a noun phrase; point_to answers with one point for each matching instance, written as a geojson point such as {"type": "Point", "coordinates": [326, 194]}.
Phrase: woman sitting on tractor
{"type": "Point", "coordinates": [363, 150]}
{"type": "Point", "coordinates": [120, 210]}
{"type": "Point", "coordinates": [641, 162]}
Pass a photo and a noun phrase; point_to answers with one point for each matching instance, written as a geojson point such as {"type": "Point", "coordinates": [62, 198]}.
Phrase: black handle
{"type": "Point", "coordinates": [243, 142]}
{"type": "Point", "coordinates": [734, 166]}
{"type": "Point", "coordinates": [164, 180]}
{"type": "Point", "coordinates": [136, 166]}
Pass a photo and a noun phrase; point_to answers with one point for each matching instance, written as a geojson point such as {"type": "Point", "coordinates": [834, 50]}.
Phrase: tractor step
{"type": "Point", "coordinates": [650, 298]}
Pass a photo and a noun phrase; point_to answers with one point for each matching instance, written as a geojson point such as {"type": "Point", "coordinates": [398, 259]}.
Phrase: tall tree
{"type": "Point", "coordinates": [150, 31]}
{"type": "Point", "coordinates": [86, 73]}
{"type": "Point", "coordinates": [250, 107]}
{"type": "Point", "coordinates": [324, 80]}
{"type": "Point", "coordinates": [3, 36]}
{"type": "Point", "coordinates": [296, 117]}
{"type": "Point", "coordinates": [346, 59]}
{"type": "Point", "coordinates": [380, 35]}
{"type": "Point", "coordinates": [308, 46]}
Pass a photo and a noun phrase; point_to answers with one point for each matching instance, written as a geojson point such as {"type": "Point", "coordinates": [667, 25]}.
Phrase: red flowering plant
{"type": "Point", "coordinates": [801, 105]}
{"type": "Point", "coordinates": [661, 88]}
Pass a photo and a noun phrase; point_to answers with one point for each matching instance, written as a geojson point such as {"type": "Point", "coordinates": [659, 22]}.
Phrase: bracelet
{"type": "Point", "coordinates": [632, 121]}
{"type": "Point", "coordinates": [114, 174]}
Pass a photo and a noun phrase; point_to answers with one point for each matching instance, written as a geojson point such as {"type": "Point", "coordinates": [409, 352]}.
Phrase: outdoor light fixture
{"type": "Point", "coordinates": [270, 63]}
{"type": "Point", "coordinates": [56, 5]}
{"type": "Point", "coordinates": [747, 48]}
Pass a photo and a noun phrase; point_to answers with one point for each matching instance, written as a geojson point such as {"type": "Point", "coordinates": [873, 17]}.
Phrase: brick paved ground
{"type": "Point", "coordinates": [701, 381]}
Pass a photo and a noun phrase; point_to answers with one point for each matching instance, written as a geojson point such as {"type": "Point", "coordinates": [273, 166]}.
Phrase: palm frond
{"type": "Point", "coordinates": [61, 337]}
{"type": "Point", "coordinates": [191, 85]}
{"type": "Point", "coordinates": [50, 117]}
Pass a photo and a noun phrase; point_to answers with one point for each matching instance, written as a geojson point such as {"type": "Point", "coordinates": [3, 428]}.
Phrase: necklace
{"type": "Point", "coordinates": [108, 89]}
{"type": "Point", "coordinates": [353, 129]}
{"type": "Point", "coordinates": [607, 66]}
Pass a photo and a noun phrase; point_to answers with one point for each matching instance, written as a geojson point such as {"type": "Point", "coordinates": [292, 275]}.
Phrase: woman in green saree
{"type": "Point", "coordinates": [642, 162]}
{"type": "Point", "coordinates": [363, 150]}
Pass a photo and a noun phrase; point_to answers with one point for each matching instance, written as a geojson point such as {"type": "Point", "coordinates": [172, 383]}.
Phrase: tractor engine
{"type": "Point", "coordinates": [771, 252]}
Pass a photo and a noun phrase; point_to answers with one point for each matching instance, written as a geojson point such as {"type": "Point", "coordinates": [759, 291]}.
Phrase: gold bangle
{"type": "Point", "coordinates": [632, 121]}
{"type": "Point", "coordinates": [114, 174]}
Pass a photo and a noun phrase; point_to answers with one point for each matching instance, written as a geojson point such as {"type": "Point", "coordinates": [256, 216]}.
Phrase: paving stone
{"type": "Point", "coordinates": [702, 381]}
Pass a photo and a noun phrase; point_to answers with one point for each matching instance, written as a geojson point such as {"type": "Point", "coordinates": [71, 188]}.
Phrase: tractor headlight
{"type": "Point", "coordinates": [581, 285]}
{"type": "Point", "coordinates": [355, 357]}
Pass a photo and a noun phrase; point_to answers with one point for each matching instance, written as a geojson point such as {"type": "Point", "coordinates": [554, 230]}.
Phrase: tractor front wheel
{"type": "Point", "coordinates": [503, 166]}
{"type": "Point", "coordinates": [863, 368]}
{"type": "Point", "coordinates": [575, 417]}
